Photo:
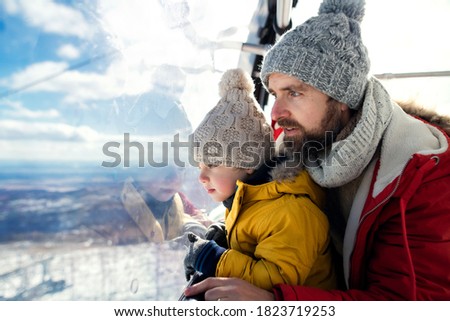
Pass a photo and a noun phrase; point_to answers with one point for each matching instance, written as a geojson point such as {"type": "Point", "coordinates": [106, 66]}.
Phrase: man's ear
{"type": "Point", "coordinates": [249, 171]}
{"type": "Point", "coordinates": [344, 107]}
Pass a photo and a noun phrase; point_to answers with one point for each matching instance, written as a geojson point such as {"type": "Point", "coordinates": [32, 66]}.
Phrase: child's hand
{"type": "Point", "coordinates": [217, 233]}
{"type": "Point", "coordinates": [201, 256]}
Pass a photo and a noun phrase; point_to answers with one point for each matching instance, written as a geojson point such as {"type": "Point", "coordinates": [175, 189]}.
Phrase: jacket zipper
{"type": "Point", "coordinates": [376, 207]}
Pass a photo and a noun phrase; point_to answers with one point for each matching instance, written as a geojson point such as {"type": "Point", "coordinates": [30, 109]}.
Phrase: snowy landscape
{"type": "Point", "coordinates": [133, 272]}
{"type": "Point", "coordinates": [64, 235]}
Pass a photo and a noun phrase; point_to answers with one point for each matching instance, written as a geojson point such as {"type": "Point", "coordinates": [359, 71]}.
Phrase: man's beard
{"type": "Point", "coordinates": [306, 146]}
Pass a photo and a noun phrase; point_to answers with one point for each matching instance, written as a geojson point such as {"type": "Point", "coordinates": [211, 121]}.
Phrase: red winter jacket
{"type": "Point", "coordinates": [401, 248]}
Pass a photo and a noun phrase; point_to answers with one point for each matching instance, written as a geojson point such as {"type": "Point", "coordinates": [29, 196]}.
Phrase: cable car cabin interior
{"type": "Point", "coordinates": [93, 95]}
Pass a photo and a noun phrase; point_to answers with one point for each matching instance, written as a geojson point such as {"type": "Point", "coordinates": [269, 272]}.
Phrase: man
{"type": "Point", "coordinates": [389, 172]}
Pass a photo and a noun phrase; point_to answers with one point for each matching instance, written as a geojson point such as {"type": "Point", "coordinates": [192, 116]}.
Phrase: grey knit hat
{"type": "Point", "coordinates": [325, 52]}
{"type": "Point", "coordinates": [235, 132]}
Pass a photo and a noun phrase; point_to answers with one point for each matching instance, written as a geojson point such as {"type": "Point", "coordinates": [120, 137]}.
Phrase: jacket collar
{"type": "Point", "coordinates": [301, 185]}
{"type": "Point", "coordinates": [260, 176]}
{"type": "Point", "coordinates": [422, 138]}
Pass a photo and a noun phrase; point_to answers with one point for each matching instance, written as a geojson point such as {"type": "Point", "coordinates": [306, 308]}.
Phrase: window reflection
{"type": "Point", "coordinates": [148, 69]}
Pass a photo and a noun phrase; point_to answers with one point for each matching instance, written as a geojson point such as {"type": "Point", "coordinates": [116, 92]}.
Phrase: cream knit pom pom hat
{"type": "Point", "coordinates": [235, 132]}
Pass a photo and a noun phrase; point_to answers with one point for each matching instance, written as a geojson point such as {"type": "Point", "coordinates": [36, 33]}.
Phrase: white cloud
{"type": "Point", "coordinates": [58, 131]}
{"type": "Point", "coordinates": [59, 141]}
{"type": "Point", "coordinates": [138, 29]}
{"type": "Point", "coordinates": [25, 149]}
{"type": "Point", "coordinates": [33, 73]}
{"type": "Point", "coordinates": [74, 84]}
{"type": "Point", "coordinates": [17, 110]}
{"type": "Point", "coordinates": [124, 76]}
{"type": "Point", "coordinates": [50, 16]}
{"type": "Point", "coordinates": [16, 129]}
{"type": "Point", "coordinates": [68, 51]}
{"type": "Point", "coordinates": [144, 39]}
{"type": "Point", "coordinates": [142, 33]}
{"type": "Point", "coordinates": [79, 86]}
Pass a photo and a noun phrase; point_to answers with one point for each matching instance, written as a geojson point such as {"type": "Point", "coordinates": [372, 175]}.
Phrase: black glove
{"type": "Point", "coordinates": [201, 256]}
{"type": "Point", "coordinates": [217, 233]}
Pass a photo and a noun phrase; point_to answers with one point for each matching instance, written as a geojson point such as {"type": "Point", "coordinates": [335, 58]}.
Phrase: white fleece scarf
{"type": "Point", "coordinates": [349, 157]}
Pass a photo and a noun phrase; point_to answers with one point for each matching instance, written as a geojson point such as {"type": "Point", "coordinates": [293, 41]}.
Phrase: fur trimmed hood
{"type": "Point", "coordinates": [414, 109]}
{"type": "Point", "coordinates": [286, 170]}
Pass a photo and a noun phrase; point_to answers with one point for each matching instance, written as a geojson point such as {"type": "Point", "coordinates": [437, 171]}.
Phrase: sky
{"type": "Point", "coordinates": [66, 66]}
{"type": "Point", "coordinates": [405, 36]}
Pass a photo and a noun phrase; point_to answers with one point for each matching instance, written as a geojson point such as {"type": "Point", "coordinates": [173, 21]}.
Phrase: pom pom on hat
{"type": "Point", "coordinates": [353, 9]}
{"type": "Point", "coordinates": [235, 79]}
{"type": "Point", "coordinates": [235, 132]}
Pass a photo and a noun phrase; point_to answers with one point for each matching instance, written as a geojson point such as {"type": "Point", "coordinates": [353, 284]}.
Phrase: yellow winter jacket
{"type": "Point", "coordinates": [278, 234]}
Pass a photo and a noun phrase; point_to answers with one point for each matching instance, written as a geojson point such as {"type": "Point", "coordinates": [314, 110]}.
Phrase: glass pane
{"type": "Point", "coordinates": [90, 93]}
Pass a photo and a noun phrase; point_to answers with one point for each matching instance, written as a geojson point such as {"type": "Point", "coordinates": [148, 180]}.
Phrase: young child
{"type": "Point", "coordinates": [275, 230]}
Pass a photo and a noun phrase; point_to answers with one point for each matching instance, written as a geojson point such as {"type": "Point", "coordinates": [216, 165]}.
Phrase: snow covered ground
{"type": "Point", "coordinates": [65, 235]}
{"type": "Point", "coordinates": [144, 271]}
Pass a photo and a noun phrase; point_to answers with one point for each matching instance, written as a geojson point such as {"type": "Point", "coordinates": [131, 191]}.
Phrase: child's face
{"type": "Point", "coordinates": [220, 181]}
